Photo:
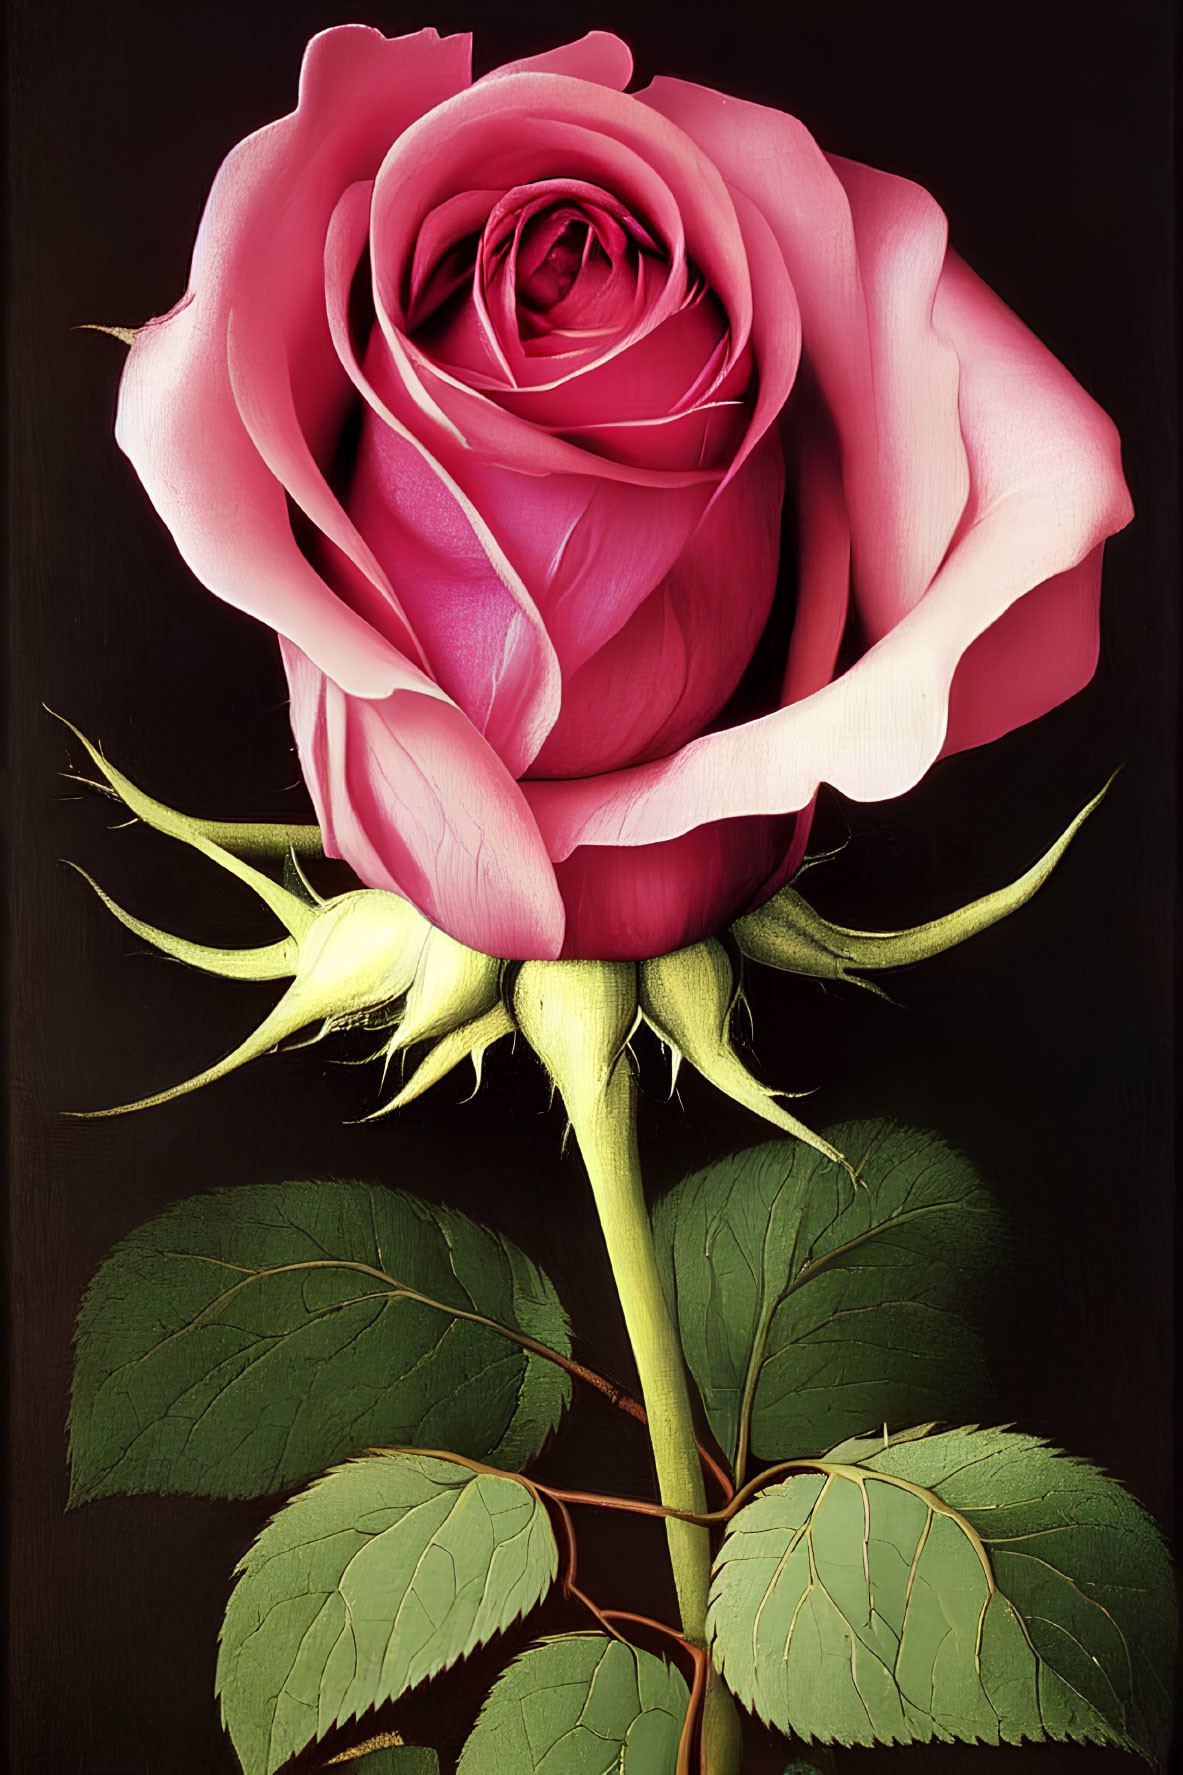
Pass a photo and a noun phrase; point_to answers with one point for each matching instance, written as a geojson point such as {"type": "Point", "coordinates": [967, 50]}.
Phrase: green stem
{"type": "Point", "coordinates": [578, 1017]}
{"type": "Point", "coordinates": [608, 1141]}
{"type": "Point", "coordinates": [605, 1125]}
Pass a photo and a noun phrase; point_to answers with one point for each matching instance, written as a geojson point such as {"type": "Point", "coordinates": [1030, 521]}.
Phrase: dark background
{"type": "Point", "coordinates": [1042, 1048]}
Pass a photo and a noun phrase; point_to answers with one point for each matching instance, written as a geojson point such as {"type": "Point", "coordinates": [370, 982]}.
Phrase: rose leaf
{"type": "Point", "coordinates": [245, 1340]}
{"type": "Point", "coordinates": [973, 1584]}
{"type": "Point", "coordinates": [580, 1704]}
{"type": "Point", "coordinates": [380, 1575]}
{"type": "Point", "coordinates": [812, 1307]}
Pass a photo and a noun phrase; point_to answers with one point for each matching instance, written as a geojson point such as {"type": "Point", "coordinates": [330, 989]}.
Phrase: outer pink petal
{"type": "Point", "coordinates": [260, 240]}
{"type": "Point", "coordinates": [261, 381]}
{"type": "Point", "coordinates": [905, 503]}
{"type": "Point", "coordinates": [599, 56]}
{"type": "Point", "coordinates": [864, 251]}
{"type": "Point", "coordinates": [408, 793]}
{"type": "Point", "coordinates": [1046, 490]}
{"type": "Point", "coordinates": [1042, 651]}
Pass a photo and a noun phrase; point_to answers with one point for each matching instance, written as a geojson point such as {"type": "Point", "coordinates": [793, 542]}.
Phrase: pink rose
{"type": "Point", "coordinates": [484, 397]}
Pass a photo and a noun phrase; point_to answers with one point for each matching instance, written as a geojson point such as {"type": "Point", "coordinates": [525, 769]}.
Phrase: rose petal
{"type": "Point", "coordinates": [913, 494]}
{"type": "Point", "coordinates": [588, 549]}
{"type": "Point", "coordinates": [1046, 489]}
{"type": "Point", "coordinates": [260, 380]}
{"type": "Point", "coordinates": [432, 279]}
{"type": "Point", "coordinates": [502, 134]}
{"type": "Point", "coordinates": [775, 330]}
{"type": "Point", "coordinates": [646, 376]}
{"type": "Point", "coordinates": [1042, 651]}
{"type": "Point", "coordinates": [631, 905]}
{"type": "Point", "coordinates": [674, 664]}
{"type": "Point", "coordinates": [823, 550]}
{"type": "Point", "coordinates": [479, 625]}
{"type": "Point", "coordinates": [599, 56]}
{"type": "Point", "coordinates": [864, 251]}
{"type": "Point", "coordinates": [414, 800]}
{"type": "Point", "coordinates": [260, 245]}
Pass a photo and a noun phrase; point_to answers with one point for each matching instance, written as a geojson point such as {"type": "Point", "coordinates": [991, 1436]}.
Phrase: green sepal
{"type": "Point", "coordinates": [688, 998]}
{"type": "Point", "coordinates": [290, 911]}
{"type": "Point", "coordinates": [787, 933]}
{"type": "Point", "coordinates": [578, 1016]}
{"type": "Point", "coordinates": [272, 961]}
{"type": "Point", "coordinates": [363, 956]}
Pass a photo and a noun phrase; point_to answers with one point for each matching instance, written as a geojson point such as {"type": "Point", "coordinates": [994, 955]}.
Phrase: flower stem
{"type": "Point", "coordinates": [608, 1142]}
{"type": "Point", "coordinates": [578, 1016]}
{"type": "Point", "coordinates": [606, 1129]}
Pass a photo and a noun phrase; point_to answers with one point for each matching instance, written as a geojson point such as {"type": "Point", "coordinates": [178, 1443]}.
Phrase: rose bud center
{"type": "Point", "coordinates": [560, 265]}
{"type": "Point", "coordinates": [568, 311]}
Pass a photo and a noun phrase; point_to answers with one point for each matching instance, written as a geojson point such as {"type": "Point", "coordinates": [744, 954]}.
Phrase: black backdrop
{"type": "Point", "coordinates": [1042, 1048]}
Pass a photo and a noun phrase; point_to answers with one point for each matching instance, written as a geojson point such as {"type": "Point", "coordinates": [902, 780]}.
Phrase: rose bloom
{"type": "Point", "coordinates": [488, 397]}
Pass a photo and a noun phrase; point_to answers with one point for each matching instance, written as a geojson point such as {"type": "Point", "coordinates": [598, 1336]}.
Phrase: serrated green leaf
{"type": "Point", "coordinates": [580, 1704]}
{"type": "Point", "coordinates": [811, 1308]}
{"type": "Point", "coordinates": [970, 1585]}
{"type": "Point", "coordinates": [382, 1574]}
{"type": "Point", "coordinates": [246, 1340]}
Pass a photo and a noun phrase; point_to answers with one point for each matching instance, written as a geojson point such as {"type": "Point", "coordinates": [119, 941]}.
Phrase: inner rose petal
{"type": "Point", "coordinates": [659, 176]}
{"type": "Point", "coordinates": [632, 334]}
{"type": "Point", "coordinates": [567, 264]}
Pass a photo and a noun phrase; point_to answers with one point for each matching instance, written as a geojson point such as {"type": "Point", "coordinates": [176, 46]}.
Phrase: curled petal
{"type": "Point", "coordinates": [865, 252]}
{"type": "Point", "coordinates": [598, 56]}
{"type": "Point", "coordinates": [1041, 651]}
{"type": "Point", "coordinates": [408, 792]}
{"type": "Point", "coordinates": [259, 251]}
{"type": "Point", "coordinates": [1046, 489]}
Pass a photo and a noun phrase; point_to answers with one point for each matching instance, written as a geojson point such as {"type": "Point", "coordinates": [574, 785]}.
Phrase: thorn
{"type": "Point", "coordinates": [297, 867]}
{"type": "Point", "coordinates": [871, 987]}
{"type": "Point", "coordinates": [823, 856]}
{"type": "Point", "coordinates": [125, 334]}
{"type": "Point", "coordinates": [74, 776]}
